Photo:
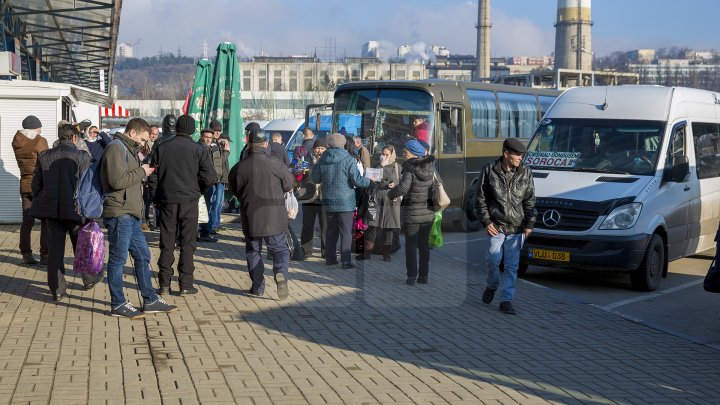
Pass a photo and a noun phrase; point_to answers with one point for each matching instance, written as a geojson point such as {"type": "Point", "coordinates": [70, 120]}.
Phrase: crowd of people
{"type": "Point", "coordinates": [143, 171]}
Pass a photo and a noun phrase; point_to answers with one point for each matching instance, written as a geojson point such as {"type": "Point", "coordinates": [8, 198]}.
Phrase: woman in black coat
{"type": "Point", "coordinates": [416, 211]}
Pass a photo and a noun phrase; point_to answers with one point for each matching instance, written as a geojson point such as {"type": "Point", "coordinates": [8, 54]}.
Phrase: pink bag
{"type": "Point", "coordinates": [90, 250]}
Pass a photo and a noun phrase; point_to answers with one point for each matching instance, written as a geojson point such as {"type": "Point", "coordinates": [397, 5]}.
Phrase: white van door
{"type": "Point", "coordinates": [705, 208]}
{"type": "Point", "coordinates": [676, 197]}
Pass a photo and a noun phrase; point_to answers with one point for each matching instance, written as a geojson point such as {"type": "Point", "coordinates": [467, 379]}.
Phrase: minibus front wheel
{"type": "Point", "coordinates": [647, 276]}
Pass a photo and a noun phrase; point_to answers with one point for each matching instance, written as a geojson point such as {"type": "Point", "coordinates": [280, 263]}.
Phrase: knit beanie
{"type": "Point", "coordinates": [320, 142]}
{"type": "Point", "coordinates": [31, 122]}
{"type": "Point", "coordinates": [185, 125]}
{"type": "Point", "coordinates": [336, 140]}
{"type": "Point", "coordinates": [415, 148]}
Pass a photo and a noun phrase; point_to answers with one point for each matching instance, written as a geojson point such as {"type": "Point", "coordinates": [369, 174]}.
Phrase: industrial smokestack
{"type": "Point", "coordinates": [482, 71]}
{"type": "Point", "coordinates": [573, 35]}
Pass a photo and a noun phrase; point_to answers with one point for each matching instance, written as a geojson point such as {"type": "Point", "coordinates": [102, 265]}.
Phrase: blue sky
{"type": "Point", "coordinates": [520, 27]}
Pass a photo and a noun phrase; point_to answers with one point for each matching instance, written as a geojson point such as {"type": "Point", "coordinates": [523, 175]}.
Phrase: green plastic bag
{"type": "Point", "coordinates": [436, 238]}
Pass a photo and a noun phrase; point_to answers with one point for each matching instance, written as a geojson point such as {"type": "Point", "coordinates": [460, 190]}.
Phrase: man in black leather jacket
{"type": "Point", "coordinates": [506, 206]}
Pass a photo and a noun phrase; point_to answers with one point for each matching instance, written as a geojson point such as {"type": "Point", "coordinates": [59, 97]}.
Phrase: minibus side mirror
{"type": "Point", "coordinates": [680, 168]}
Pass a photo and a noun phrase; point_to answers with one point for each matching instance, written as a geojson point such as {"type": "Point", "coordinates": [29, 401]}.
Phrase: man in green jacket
{"type": "Point", "coordinates": [121, 175]}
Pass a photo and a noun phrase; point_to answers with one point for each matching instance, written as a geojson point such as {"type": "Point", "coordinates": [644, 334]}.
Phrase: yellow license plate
{"type": "Point", "coordinates": [542, 254]}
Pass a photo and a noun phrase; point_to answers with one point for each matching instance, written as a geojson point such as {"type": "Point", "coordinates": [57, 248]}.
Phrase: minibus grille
{"type": "Point", "coordinates": [570, 219]}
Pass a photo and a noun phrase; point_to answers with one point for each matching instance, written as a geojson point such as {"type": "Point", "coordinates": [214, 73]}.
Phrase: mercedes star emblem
{"type": "Point", "coordinates": [551, 218]}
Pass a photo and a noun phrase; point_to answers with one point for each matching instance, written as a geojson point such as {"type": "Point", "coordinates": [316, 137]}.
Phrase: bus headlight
{"type": "Point", "coordinates": [622, 217]}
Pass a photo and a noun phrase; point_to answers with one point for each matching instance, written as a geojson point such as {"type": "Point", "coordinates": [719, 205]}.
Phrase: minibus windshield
{"type": "Point", "coordinates": [392, 115]}
{"type": "Point", "coordinates": [603, 146]}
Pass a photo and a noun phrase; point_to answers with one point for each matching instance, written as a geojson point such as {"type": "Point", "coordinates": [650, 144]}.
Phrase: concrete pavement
{"type": "Point", "coordinates": [344, 336]}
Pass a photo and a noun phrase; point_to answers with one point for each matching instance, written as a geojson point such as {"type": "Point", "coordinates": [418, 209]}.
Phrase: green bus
{"type": "Point", "coordinates": [462, 123]}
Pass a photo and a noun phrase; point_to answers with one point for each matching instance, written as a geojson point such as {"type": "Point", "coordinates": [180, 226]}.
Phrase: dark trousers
{"type": "Point", "coordinates": [278, 248]}
{"type": "Point", "coordinates": [26, 228]}
{"type": "Point", "coordinates": [148, 203]}
{"type": "Point", "coordinates": [339, 225]}
{"type": "Point", "coordinates": [56, 231]}
{"type": "Point", "coordinates": [310, 212]}
{"type": "Point", "coordinates": [373, 231]}
{"type": "Point", "coordinates": [183, 219]}
{"type": "Point", "coordinates": [416, 238]}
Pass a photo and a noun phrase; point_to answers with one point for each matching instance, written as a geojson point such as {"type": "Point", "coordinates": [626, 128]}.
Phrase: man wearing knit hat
{"type": "Point", "coordinates": [27, 145]}
{"type": "Point", "coordinates": [506, 206]}
{"type": "Point", "coordinates": [338, 176]}
{"type": "Point", "coordinates": [310, 199]}
{"type": "Point", "coordinates": [185, 171]}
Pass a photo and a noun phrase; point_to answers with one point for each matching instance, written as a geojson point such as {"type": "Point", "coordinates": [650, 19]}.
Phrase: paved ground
{"type": "Point", "coordinates": [342, 337]}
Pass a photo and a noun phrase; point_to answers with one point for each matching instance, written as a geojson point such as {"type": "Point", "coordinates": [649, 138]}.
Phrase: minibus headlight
{"type": "Point", "coordinates": [622, 217]}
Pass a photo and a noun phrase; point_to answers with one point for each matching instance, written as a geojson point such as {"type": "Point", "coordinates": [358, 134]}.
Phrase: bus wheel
{"type": "Point", "coordinates": [465, 224]}
{"type": "Point", "coordinates": [647, 276]}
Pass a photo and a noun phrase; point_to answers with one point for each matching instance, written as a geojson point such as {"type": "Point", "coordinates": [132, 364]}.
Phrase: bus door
{"type": "Point", "coordinates": [450, 147]}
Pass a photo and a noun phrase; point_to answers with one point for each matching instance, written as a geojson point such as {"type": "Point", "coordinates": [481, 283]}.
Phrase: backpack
{"type": "Point", "coordinates": [89, 196]}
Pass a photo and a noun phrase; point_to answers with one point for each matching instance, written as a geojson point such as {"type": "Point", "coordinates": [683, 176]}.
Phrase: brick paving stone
{"type": "Point", "coordinates": [344, 336]}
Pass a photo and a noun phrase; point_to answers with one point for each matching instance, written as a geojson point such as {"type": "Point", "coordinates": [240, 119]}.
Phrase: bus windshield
{"type": "Point", "coordinates": [602, 146]}
{"type": "Point", "coordinates": [392, 116]}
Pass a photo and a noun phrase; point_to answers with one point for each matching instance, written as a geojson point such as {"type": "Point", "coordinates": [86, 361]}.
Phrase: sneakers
{"type": "Point", "coordinates": [507, 308]}
{"type": "Point", "coordinates": [332, 263]}
{"type": "Point", "coordinates": [255, 293]}
{"type": "Point", "coordinates": [488, 295]}
{"type": "Point", "coordinates": [159, 305]}
{"type": "Point", "coordinates": [282, 286]}
{"type": "Point", "coordinates": [348, 265]}
{"type": "Point", "coordinates": [422, 280]}
{"type": "Point", "coordinates": [410, 281]}
{"type": "Point", "coordinates": [126, 310]}
{"type": "Point", "coordinates": [163, 290]}
{"type": "Point", "coordinates": [206, 239]}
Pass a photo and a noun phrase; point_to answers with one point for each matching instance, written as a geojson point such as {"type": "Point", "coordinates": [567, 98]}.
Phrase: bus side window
{"type": "Point", "coordinates": [451, 124]}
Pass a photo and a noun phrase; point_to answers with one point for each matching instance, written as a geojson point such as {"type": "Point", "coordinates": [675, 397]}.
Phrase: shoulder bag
{"type": "Point", "coordinates": [440, 198]}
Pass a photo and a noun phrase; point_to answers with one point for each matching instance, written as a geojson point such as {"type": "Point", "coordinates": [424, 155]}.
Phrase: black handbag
{"type": "Point", "coordinates": [712, 279]}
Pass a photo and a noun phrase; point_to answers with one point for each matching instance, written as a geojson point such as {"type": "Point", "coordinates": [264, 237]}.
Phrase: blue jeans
{"type": "Point", "coordinates": [214, 199]}
{"type": "Point", "coordinates": [125, 235]}
{"type": "Point", "coordinates": [507, 246]}
{"type": "Point", "coordinates": [278, 248]}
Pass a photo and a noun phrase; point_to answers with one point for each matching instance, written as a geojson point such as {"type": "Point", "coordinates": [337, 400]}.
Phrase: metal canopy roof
{"type": "Point", "coordinates": [77, 38]}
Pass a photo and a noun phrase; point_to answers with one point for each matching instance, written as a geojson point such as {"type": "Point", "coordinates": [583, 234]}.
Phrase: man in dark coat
{"type": "Point", "coordinates": [27, 145]}
{"type": "Point", "coordinates": [260, 184]}
{"type": "Point", "coordinates": [506, 206]}
{"type": "Point", "coordinates": [53, 188]}
{"type": "Point", "coordinates": [184, 172]}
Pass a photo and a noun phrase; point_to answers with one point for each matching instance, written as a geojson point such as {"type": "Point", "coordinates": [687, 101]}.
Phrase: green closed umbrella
{"type": "Point", "coordinates": [225, 100]}
{"type": "Point", "coordinates": [200, 93]}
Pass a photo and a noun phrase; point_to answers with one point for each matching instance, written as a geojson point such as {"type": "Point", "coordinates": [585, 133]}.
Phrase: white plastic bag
{"type": "Point", "coordinates": [203, 217]}
{"type": "Point", "coordinates": [291, 204]}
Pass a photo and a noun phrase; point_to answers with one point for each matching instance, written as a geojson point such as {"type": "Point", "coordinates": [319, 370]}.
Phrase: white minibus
{"type": "Point", "coordinates": [627, 178]}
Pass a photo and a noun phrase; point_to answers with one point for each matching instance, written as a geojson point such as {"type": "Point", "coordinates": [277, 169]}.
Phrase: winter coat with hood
{"type": "Point", "coordinates": [338, 176]}
{"type": "Point", "coordinates": [27, 145]}
{"type": "Point", "coordinates": [506, 200]}
{"type": "Point", "coordinates": [55, 181]}
{"type": "Point", "coordinates": [260, 182]}
{"type": "Point", "coordinates": [414, 187]}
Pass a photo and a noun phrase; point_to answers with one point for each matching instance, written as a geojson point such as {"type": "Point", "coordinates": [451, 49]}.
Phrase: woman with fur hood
{"type": "Point", "coordinates": [416, 210]}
